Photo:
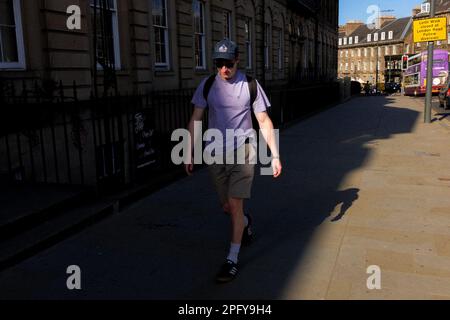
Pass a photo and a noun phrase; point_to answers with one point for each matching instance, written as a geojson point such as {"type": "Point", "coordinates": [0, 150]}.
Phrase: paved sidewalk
{"type": "Point", "coordinates": [365, 183]}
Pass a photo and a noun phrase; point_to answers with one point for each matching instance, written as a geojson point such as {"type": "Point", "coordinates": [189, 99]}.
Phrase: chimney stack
{"type": "Point", "coordinates": [351, 26]}
{"type": "Point", "coordinates": [385, 19]}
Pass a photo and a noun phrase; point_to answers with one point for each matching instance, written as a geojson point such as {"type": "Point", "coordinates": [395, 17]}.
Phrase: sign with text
{"type": "Point", "coordinates": [434, 29]}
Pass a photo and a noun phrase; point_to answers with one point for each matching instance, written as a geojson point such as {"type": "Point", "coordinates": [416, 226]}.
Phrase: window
{"type": "Point", "coordinates": [372, 52]}
{"type": "Point", "coordinates": [375, 37]}
{"type": "Point", "coordinates": [280, 49]}
{"type": "Point", "coordinates": [161, 30]}
{"type": "Point", "coordinates": [359, 52]}
{"type": "Point", "coordinates": [394, 50]}
{"type": "Point", "coordinates": [365, 52]}
{"type": "Point", "coordinates": [352, 54]}
{"type": "Point", "coordinates": [341, 53]}
{"type": "Point", "coordinates": [199, 29]}
{"type": "Point", "coordinates": [386, 50]}
{"type": "Point", "coordinates": [346, 66]}
{"type": "Point", "coordinates": [106, 33]}
{"type": "Point", "coordinates": [350, 40]}
{"type": "Point", "coordinates": [383, 36]}
{"type": "Point", "coordinates": [407, 48]}
{"type": "Point", "coordinates": [340, 41]}
{"type": "Point", "coordinates": [11, 37]}
{"type": "Point", "coordinates": [425, 7]}
{"type": "Point", "coordinates": [345, 41]}
{"type": "Point", "coordinates": [356, 40]}
{"type": "Point", "coordinates": [341, 66]}
{"type": "Point", "coordinates": [227, 24]}
{"type": "Point", "coordinates": [267, 37]}
{"type": "Point", "coordinates": [248, 42]}
{"type": "Point", "coordinates": [369, 37]}
{"type": "Point", "coordinates": [346, 53]}
{"type": "Point", "coordinates": [391, 35]}
{"type": "Point", "coordinates": [359, 65]}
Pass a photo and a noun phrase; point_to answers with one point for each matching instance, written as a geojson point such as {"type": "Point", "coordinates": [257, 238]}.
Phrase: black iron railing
{"type": "Point", "coordinates": [50, 136]}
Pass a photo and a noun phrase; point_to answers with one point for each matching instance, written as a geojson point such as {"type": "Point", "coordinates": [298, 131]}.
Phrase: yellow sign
{"type": "Point", "coordinates": [433, 29]}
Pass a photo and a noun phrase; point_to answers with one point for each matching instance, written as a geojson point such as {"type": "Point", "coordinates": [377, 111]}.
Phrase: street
{"type": "Point", "coordinates": [365, 183]}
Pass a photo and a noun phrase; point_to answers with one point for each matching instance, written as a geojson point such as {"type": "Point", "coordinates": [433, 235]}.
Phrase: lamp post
{"type": "Point", "coordinates": [428, 99]}
{"type": "Point", "coordinates": [377, 46]}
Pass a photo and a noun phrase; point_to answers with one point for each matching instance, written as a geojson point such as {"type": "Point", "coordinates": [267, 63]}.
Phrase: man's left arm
{"type": "Point", "coordinates": [267, 129]}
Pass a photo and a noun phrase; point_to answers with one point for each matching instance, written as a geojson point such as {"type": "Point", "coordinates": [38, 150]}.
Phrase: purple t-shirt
{"type": "Point", "coordinates": [229, 107]}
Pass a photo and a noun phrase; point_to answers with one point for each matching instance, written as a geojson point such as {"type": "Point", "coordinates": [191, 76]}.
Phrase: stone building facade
{"type": "Point", "coordinates": [146, 45]}
{"type": "Point", "coordinates": [371, 53]}
{"type": "Point", "coordinates": [359, 57]}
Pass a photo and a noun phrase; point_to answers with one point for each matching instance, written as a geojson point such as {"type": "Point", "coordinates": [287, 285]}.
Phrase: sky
{"type": "Point", "coordinates": [357, 9]}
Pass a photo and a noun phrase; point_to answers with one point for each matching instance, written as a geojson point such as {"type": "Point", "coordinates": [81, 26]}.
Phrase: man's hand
{"type": "Point", "coordinates": [277, 168]}
{"type": "Point", "coordinates": [189, 168]}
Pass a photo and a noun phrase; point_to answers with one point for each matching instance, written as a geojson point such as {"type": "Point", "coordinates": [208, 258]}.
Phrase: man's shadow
{"type": "Point", "coordinates": [346, 197]}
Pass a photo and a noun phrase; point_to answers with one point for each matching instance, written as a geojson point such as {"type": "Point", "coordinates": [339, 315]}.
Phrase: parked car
{"type": "Point", "coordinates": [392, 87]}
{"type": "Point", "coordinates": [444, 96]}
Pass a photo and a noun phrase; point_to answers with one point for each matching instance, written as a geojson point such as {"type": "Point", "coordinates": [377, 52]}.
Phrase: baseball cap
{"type": "Point", "coordinates": [225, 49]}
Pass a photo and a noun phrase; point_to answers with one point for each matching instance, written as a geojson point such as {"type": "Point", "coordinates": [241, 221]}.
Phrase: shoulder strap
{"type": "Point", "coordinates": [208, 85]}
{"type": "Point", "coordinates": [253, 89]}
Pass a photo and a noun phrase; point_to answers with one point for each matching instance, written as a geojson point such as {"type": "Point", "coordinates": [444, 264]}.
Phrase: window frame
{"type": "Point", "coordinates": [202, 35]}
{"type": "Point", "coordinates": [248, 43]}
{"type": "Point", "coordinates": [227, 27]}
{"type": "Point", "coordinates": [116, 37]}
{"type": "Point", "coordinates": [267, 45]}
{"type": "Point", "coordinates": [20, 63]}
{"type": "Point", "coordinates": [280, 49]}
{"type": "Point", "coordinates": [164, 66]}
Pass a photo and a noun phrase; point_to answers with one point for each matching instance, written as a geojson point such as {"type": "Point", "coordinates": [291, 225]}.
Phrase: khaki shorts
{"type": "Point", "coordinates": [233, 180]}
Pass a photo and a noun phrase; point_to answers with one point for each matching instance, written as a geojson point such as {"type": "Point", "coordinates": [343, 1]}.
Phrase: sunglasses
{"type": "Point", "coordinates": [227, 63]}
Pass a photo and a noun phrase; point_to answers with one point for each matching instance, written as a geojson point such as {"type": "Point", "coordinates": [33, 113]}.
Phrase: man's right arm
{"type": "Point", "coordinates": [197, 115]}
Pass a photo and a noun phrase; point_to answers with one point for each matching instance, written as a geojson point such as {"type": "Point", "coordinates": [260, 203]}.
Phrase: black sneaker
{"type": "Point", "coordinates": [227, 272]}
{"type": "Point", "coordinates": [247, 236]}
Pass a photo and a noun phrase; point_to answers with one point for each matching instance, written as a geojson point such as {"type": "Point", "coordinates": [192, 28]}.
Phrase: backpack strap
{"type": "Point", "coordinates": [207, 86]}
{"type": "Point", "coordinates": [253, 89]}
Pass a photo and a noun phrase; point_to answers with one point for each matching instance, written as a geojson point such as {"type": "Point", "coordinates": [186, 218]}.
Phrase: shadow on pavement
{"type": "Point", "coordinates": [171, 244]}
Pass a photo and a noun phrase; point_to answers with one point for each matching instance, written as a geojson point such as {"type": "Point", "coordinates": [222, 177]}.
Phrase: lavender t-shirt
{"type": "Point", "coordinates": [229, 107]}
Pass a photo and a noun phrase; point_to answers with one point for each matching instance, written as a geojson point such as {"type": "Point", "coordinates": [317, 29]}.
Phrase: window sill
{"type": "Point", "coordinates": [201, 71]}
{"type": "Point", "coordinates": [164, 73]}
{"type": "Point", "coordinates": [12, 67]}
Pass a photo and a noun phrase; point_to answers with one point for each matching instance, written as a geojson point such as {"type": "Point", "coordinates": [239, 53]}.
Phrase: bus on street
{"type": "Point", "coordinates": [415, 76]}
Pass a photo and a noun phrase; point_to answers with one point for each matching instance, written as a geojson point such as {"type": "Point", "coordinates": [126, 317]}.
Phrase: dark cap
{"type": "Point", "coordinates": [225, 49]}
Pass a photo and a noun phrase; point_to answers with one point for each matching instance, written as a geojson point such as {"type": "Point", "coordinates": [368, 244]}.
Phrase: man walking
{"type": "Point", "coordinates": [228, 96]}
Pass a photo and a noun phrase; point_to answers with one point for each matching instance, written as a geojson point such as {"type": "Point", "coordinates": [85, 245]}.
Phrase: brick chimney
{"type": "Point", "coordinates": [351, 26]}
{"type": "Point", "coordinates": [416, 11]}
{"type": "Point", "coordinates": [385, 19]}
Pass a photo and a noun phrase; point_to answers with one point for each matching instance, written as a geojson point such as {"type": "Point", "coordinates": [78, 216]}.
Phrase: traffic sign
{"type": "Point", "coordinates": [433, 29]}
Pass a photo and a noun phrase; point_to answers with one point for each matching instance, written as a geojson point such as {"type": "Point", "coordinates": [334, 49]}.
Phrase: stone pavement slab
{"type": "Point", "coordinates": [364, 183]}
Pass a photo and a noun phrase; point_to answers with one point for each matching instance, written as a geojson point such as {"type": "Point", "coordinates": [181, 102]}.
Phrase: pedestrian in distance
{"type": "Point", "coordinates": [230, 96]}
{"type": "Point", "coordinates": [367, 88]}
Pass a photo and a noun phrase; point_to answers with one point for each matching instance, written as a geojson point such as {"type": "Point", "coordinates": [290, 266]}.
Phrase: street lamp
{"type": "Point", "coordinates": [377, 46]}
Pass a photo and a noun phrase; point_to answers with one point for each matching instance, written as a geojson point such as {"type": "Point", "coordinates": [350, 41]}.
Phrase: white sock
{"type": "Point", "coordinates": [234, 252]}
